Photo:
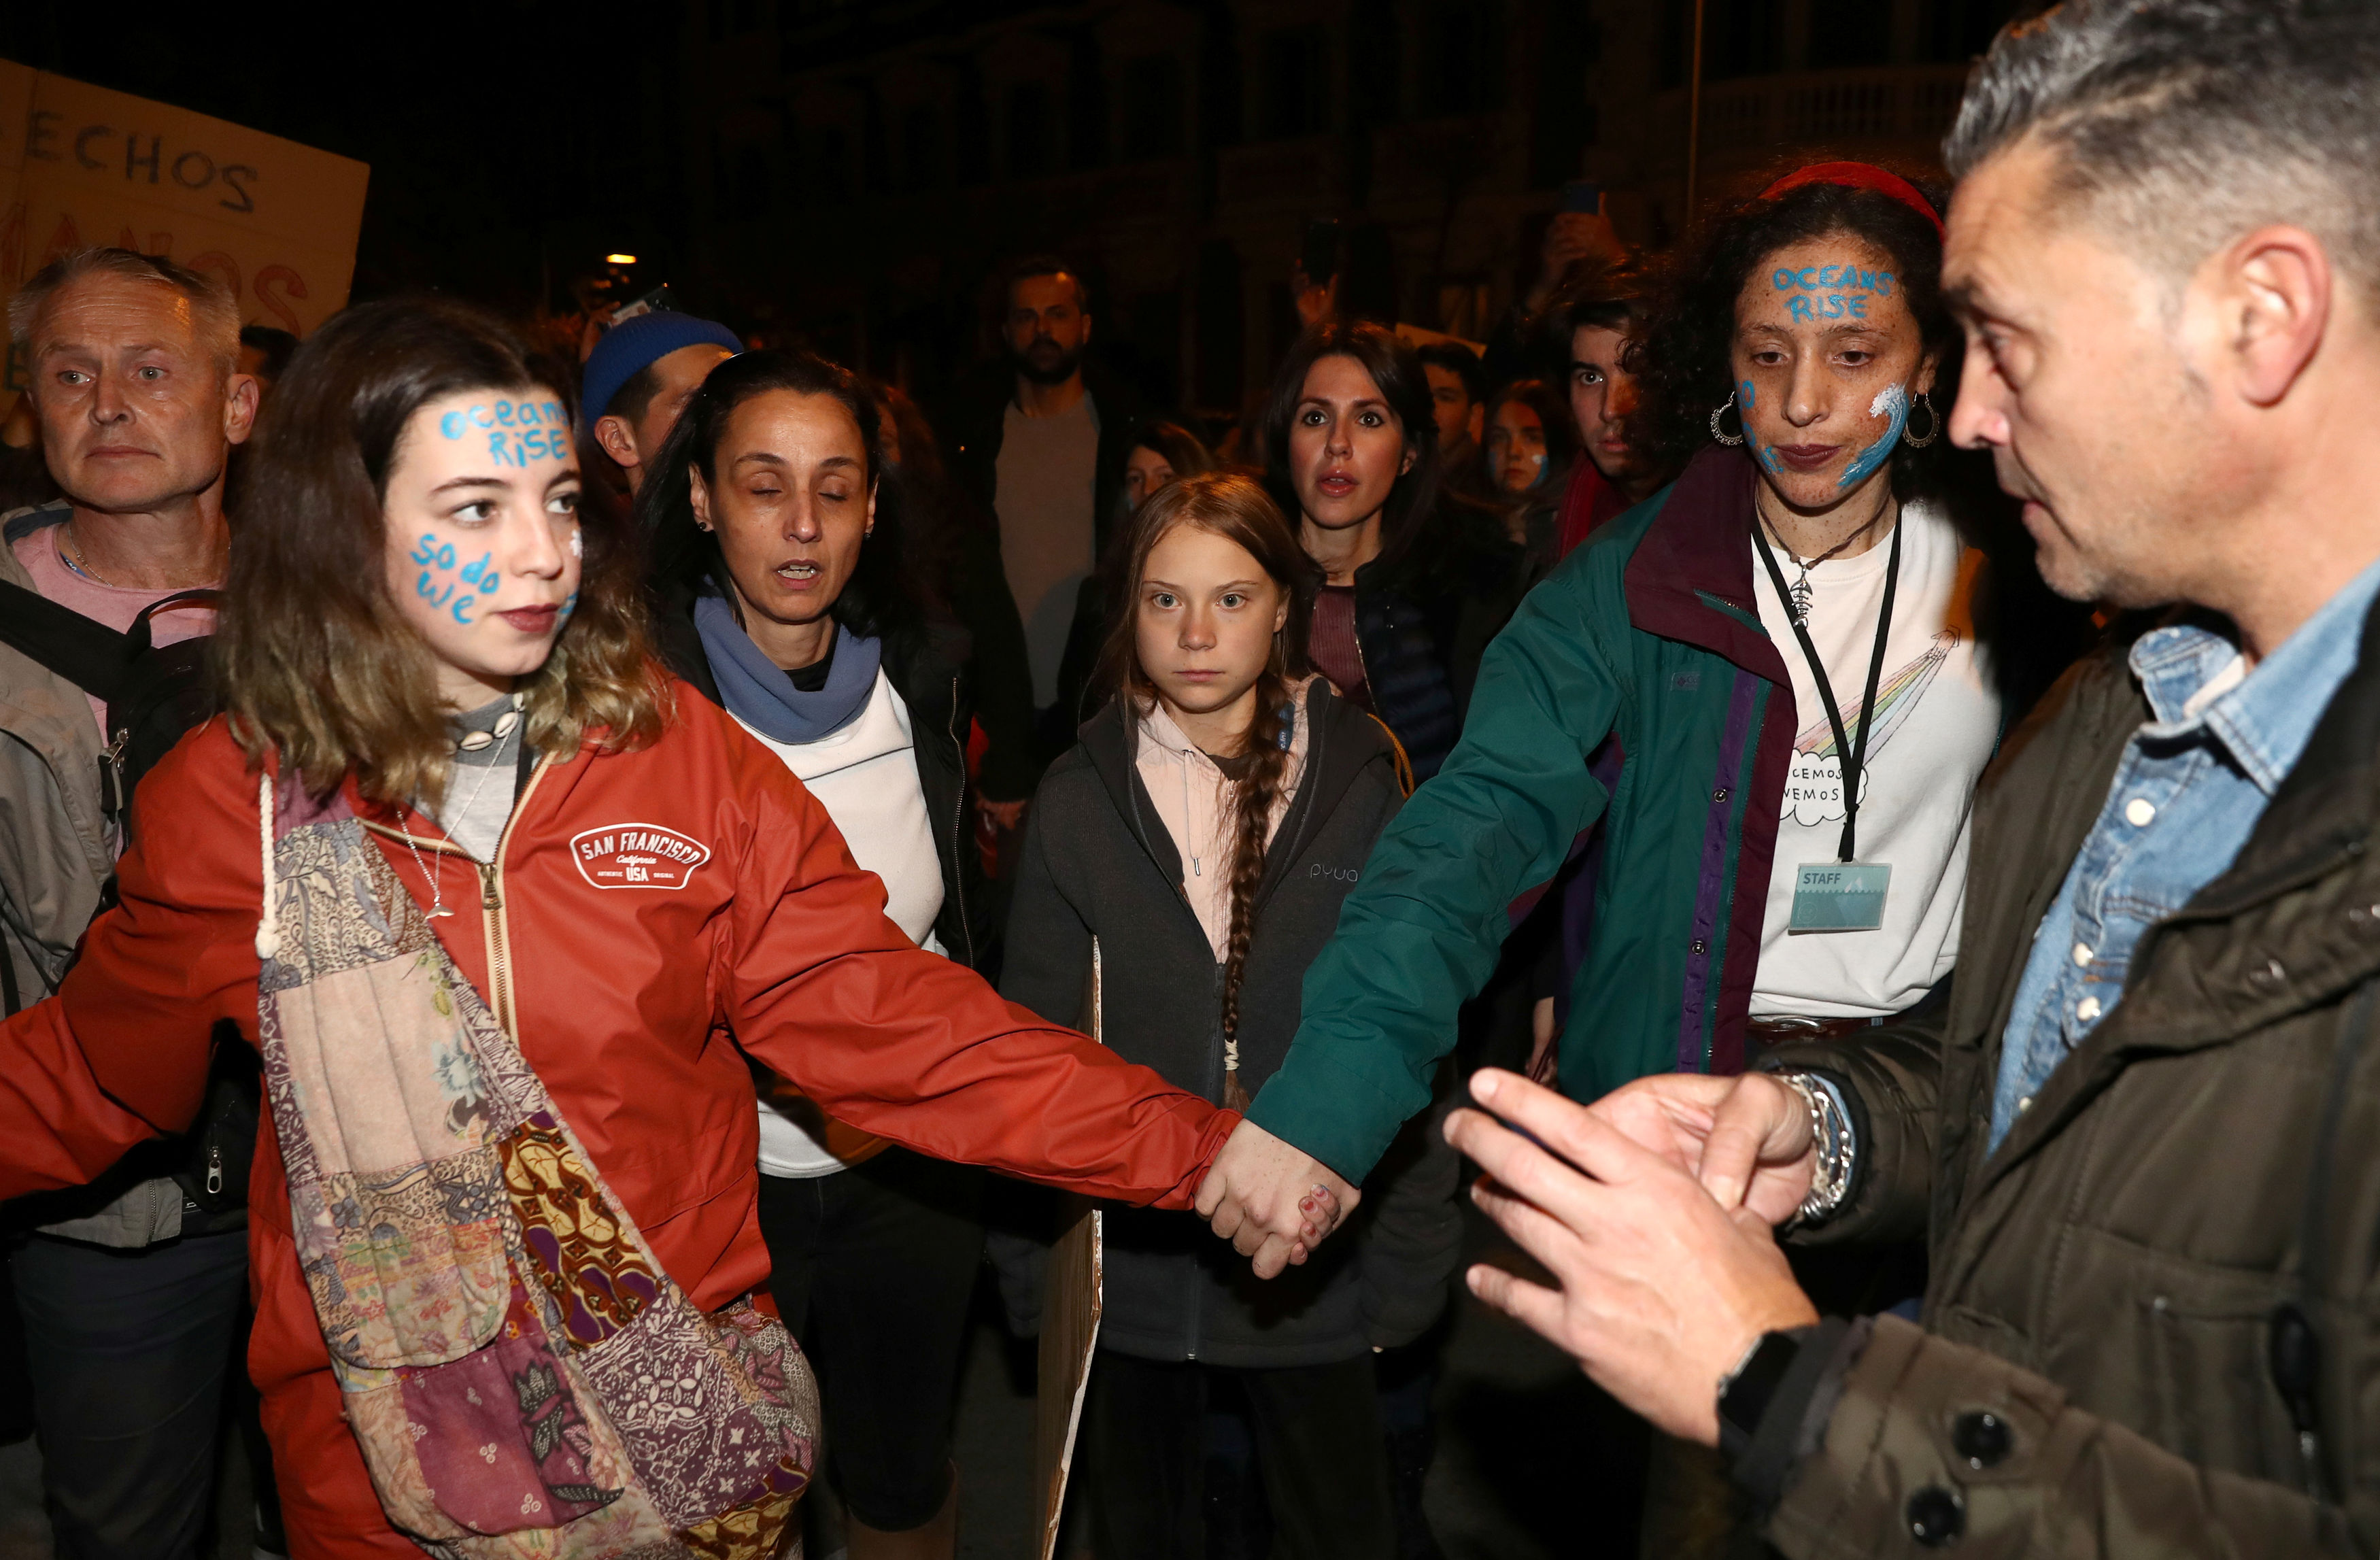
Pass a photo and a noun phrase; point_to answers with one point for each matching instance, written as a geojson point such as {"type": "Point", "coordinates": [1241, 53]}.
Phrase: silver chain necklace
{"type": "Point", "coordinates": [1801, 590]}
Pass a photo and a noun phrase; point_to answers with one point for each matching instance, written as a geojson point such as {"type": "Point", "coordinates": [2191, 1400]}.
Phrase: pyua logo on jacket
{"type": "Point", "coordinates": [636, 856]}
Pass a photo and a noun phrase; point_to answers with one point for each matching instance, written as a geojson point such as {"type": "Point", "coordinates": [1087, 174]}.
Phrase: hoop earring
{"type": "Point", "coordinates": [1722, 411]}
{"type": "Point", "coordinates": [1934, 423]}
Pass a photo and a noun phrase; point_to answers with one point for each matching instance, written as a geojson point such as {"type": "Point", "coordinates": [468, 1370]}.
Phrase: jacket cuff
{"type": "Point", "coordinates": [1794, 1421]}
{"type": "Point", "coordinates": [1922, 1430]}
{"type": "Point", "coordinates": [1339, 1117]}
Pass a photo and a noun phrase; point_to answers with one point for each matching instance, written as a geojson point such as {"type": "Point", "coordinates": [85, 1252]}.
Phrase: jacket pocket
{"type": "Point", "coordinates": [2211, 1397]}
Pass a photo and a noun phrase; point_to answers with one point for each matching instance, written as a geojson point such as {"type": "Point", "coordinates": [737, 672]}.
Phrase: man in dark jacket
{"type": "Point", "coordinates": [1040, 440]}
{"type": "Point", "coordinates": [2141, 1134]}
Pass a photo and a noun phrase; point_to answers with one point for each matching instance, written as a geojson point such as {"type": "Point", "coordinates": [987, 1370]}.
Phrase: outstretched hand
{"type": "Point", "coordinates": [1662, 1289]}
{"type": "Point", "coordinates": [1274, 1201]}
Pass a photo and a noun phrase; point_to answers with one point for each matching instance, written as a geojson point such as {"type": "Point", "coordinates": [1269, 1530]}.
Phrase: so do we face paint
{"type": "Point", "coordinates": [483, 545]}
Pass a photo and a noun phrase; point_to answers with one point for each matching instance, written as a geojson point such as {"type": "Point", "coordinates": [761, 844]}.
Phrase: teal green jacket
{"type": "Point", "coordinates": [1635, 686]}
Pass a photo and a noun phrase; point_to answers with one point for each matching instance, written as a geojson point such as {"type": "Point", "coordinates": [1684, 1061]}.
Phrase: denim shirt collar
{"type": "Point", "coordinates": [2264, 719]}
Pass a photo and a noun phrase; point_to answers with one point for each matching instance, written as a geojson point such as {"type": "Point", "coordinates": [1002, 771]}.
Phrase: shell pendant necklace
{"type": "Point", "coordinates": [507, 725]}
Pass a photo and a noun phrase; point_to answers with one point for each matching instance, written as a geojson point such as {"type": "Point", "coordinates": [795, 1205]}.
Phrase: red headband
{"type": "Point", "coordinates": [1859, 176]}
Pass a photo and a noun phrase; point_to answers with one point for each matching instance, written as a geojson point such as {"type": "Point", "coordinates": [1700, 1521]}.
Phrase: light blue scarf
{"type": "Point", "coordinates": [758, 692]}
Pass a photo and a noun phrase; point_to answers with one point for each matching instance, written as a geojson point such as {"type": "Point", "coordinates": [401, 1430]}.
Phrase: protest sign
{"type": "Point", "coordinates": [80, 165]}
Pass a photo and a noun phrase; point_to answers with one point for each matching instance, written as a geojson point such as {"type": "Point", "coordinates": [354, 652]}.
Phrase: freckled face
{"type": "Point", "coordinates": [483, 539]}
{"type": "Point", "coordinates": [1826, 360]}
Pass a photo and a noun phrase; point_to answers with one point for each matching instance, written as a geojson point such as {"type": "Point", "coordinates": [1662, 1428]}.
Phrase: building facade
{"type": "Point", "coordinates": [855, 175]}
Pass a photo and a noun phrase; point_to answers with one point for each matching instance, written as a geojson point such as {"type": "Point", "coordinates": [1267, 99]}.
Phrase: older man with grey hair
{"type": "Point", "coordinates": [2144, 1140]}
{"type": "Point", "coordinates": [131, 1289]}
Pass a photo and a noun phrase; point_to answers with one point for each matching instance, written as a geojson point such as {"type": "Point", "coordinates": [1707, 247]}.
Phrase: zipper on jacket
{"type": "Point", "coordinates": [492, 926]}
{"type": "Point", "coordinates": [958, 830]}
{"type": "Point", "coordinates": [494, 929]}
{"type": "Point", "coordinates": [214, 1170]}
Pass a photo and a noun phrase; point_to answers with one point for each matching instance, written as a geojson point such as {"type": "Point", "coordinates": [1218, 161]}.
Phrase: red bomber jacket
{"type": "Point", "coordinates": [647, 913]}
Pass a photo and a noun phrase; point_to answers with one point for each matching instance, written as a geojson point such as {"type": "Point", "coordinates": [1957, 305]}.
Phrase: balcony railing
{"type": "Point", "coordinates": [1908, 102]}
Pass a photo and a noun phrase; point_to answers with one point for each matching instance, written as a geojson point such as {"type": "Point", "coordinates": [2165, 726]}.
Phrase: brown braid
{"type": "Point", "coordinates": [1268, 765]}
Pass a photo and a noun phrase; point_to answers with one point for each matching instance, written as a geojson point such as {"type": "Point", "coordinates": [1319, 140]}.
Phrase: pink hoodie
{"type": "Point", "coordinates": [1194, 801]}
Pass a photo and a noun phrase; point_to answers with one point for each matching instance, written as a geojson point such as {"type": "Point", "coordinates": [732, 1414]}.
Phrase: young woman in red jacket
{"type": "Point", "coordinates": [504, 914]}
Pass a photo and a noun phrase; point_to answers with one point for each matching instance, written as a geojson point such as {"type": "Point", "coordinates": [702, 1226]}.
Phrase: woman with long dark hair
{"type": "Point", "coordinates": [505, 912]}
{"type": "Point", "coordinates": [793, 597]}
{"type": "Point", "coordinates": [1531, 444]}
{"type": "Point", "coordinates": [1187, 859]}
{"type": "Point", "coordinates": [1412, 590]}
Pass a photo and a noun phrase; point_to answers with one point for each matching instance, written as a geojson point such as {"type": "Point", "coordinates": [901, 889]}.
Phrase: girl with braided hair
{"type": "Point", "coordinates": [1185, 862]}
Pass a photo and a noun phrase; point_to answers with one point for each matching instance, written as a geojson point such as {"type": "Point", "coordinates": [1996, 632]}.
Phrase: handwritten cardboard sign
{"type": "Point", "coordinates": [81, 164]}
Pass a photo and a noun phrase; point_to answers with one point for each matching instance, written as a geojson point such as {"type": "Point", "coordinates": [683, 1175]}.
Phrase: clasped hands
{"type": "Point", "coordinates": [1274, 1203]}
{"type": "Point", "coordinates": [1654, 1208]}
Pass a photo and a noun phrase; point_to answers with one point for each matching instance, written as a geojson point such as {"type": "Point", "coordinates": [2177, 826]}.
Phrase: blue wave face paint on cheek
{"type": "Point", "coordinates": [1893, 402]}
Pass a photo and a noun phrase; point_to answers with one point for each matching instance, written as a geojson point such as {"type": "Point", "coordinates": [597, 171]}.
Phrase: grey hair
{"type": "Point", "coordinates": [214, 313]}
{"type": "Point", "coordinates": [2183, 124]}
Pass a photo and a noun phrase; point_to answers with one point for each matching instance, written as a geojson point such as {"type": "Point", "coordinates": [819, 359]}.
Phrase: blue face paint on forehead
{"type": "Point", "coordinates": [510, 421]}
{"type": "Point", "coordinates": [1853, 288]}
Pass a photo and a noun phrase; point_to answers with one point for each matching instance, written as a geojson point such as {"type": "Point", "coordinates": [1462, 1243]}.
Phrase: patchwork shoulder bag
{"type": "Point", "coordinates": [524, 1379]}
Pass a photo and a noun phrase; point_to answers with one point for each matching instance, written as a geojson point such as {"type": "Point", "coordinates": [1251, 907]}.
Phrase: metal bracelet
{"type": "Point", "coordinates": [1830, 1175]}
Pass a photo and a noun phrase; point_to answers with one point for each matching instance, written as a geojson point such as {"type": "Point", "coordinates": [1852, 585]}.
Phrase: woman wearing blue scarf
{"type": "Point", "coordinates": [788, 596]}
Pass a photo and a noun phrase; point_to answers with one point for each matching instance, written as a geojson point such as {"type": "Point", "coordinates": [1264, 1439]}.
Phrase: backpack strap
{"type": "Point", "coordinates": [139, 637]}
{"type": "Point", "coordinates": [91, 655]}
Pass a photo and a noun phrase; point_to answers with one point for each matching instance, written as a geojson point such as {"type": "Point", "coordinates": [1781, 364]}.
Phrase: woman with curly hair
{"type": "Point", "coordinates": [1766, 677]}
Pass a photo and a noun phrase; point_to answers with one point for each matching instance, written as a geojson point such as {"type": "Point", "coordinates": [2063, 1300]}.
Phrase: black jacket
{"type": "Point", "coordinates": [928, 670]}
{"type": "Point", "coordinates": [1424, 621]}
{"type": "Point", "coordinates": [1098, 862]}
{"type": "Point", "coordinates": [974, 421]}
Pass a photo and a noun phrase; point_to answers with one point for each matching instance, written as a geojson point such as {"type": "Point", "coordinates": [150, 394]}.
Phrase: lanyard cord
{"type": "Point", "coordinates": [1852, 758]}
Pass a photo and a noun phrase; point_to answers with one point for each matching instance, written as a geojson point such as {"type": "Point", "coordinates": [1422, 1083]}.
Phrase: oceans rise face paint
{"type": "Point", "coordinates": [516, 431]}
{"type": "Point", "coordinates": [1826, 360]}
{"type": "Point", "coordinates": [1854, 284]}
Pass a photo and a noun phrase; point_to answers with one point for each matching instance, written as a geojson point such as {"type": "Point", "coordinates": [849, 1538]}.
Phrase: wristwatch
{"type": "Point", "coordinates": [1746, 1392]}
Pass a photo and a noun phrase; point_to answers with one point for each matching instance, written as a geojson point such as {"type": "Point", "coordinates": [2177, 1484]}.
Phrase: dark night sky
{"type": "Point", "coordinates": [503, 137]}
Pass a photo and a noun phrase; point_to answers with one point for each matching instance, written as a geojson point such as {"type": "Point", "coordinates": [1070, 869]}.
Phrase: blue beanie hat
{"type": "Point", "coordinates": [633, 345]}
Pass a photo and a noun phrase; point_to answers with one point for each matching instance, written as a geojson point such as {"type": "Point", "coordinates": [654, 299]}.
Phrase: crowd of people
{"type": "Point", "coordinates": [558, 911]}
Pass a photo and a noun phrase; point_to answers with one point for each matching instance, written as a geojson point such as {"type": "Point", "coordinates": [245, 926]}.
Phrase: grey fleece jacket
{"type": "Point", "coordinates": [55, 860]}
{"type": "Point", "coordinates": [1098, 862]}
